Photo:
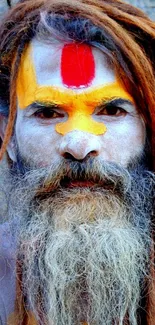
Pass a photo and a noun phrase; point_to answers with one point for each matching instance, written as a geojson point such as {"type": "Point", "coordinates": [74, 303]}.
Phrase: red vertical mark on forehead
{"type": "Point", "coordinates": [77, 65]}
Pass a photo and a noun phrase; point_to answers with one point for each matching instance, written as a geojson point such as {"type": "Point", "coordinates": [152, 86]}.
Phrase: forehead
{"type": "Point", "coordinates": [71, 65]}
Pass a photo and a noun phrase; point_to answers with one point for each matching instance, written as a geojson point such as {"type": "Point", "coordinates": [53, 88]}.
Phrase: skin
{"type": "Point", "coordinates": [39, 142]}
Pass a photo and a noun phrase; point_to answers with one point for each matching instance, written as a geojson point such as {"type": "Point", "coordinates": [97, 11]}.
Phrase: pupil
{"type": "Point", "coordinates": [48, 113]}
{"type": "Point", "coordinates": [112, 110]}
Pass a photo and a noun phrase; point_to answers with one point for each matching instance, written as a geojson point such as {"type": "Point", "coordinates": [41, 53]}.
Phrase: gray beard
{"type": "Point", "coordinates": [85, 252]}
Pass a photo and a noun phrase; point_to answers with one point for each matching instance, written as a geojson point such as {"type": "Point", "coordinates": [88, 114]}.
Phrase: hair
{"type": "Point", "coordinates": [124, 33]}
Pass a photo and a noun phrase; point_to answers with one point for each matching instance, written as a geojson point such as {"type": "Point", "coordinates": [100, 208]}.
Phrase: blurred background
{"type": "Point", "coordinates": [147, 5]}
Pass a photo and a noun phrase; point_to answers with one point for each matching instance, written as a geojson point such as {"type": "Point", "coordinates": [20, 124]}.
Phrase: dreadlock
{"type": "Point", "coordinates": [123, 32]}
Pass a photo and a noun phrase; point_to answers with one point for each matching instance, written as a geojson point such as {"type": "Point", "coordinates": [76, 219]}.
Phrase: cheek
{"type": "Point", "coordinates": [124, 141]}
{"type": "Point", "coordinates": [37, 144]}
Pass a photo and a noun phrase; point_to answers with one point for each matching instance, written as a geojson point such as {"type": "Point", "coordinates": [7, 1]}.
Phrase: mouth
{"type": "Point", "coordinates": [69, 183]}
{"type": "Point", "coordinates": [79, 184]}
{"type": "Point", "coordinates": [82, 184]}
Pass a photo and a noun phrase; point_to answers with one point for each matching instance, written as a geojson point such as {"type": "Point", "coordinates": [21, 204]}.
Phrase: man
{"type": "Point", "coordinates": [77, 121]}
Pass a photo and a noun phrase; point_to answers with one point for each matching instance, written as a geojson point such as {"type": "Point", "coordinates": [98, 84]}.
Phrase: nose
{"type": "Point", "coordinates": [78, 145]}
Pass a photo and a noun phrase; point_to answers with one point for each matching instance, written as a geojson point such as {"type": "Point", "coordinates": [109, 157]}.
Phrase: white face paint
{"type": "Point", "coordinates": [48, 67]}
{"type": "Point", "coordinates": [37, 138]}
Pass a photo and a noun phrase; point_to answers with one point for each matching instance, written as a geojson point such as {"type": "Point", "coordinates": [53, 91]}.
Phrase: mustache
{"type": "Point", "coordinates": [105, 175]}
{"type": "Point", "coordinates": [98, 174]}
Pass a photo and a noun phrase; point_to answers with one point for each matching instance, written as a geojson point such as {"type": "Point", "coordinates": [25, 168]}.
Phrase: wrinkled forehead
{"type": "Point", "coordinates": [72, 65]}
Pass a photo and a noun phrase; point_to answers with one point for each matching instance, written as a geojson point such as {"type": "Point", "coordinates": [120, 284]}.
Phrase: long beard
{"type": "Point", "coordinates": [85, 251]}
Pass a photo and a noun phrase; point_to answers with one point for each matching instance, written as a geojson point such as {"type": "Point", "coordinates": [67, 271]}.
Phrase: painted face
{"type": "Point", "coordinates": [69, 100]}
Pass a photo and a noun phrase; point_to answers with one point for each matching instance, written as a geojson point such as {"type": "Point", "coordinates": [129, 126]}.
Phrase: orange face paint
{"type": "Point", "coordinates": [79, 105]}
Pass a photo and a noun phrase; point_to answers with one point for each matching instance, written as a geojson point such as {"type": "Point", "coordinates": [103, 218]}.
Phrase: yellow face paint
{"type": "Point", "coordinates": [79, 106]}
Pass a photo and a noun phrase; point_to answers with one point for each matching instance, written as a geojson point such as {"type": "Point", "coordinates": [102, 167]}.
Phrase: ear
{"type": "Point", "coordinates": [11, 148]}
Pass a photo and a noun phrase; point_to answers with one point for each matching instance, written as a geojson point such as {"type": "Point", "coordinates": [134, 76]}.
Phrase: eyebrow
{"type": "Point", "coordinates": [116, 102]}
{"type": "Point", "coordinates": [36, 105]}
{"type": "Point", "coordinates": [111, 101]}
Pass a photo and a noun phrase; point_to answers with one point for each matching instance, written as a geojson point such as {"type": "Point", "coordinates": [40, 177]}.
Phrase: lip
{"type": "Point", "coordinates": [82, 184]}
{"type": "Point", "coordinates": [67, 182]}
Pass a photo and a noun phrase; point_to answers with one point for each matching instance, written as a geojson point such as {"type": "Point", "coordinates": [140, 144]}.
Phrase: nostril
{"type": "Point", "coordinates": [92, 153]}
{"type": "Point", "coordinates": [68, 156]}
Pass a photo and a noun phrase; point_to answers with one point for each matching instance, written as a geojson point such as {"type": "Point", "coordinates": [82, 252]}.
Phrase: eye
{"type": "Point", "coordinates": [48, 113]}
{"type": "Point", "coordinates": [111, 110]}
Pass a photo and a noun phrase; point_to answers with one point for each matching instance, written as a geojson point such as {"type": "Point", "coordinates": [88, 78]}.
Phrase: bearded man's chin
{"type": "Point", "coordinates": [72, 207]}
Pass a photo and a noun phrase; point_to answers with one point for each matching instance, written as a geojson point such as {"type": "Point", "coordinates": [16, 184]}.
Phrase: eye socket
{"type": "Point", "coordinates": [48, 113]}
{"type": "Point", "coordinates": [111, 110]}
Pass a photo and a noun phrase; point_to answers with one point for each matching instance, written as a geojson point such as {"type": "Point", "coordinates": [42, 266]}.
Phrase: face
{"type": "Point", "coordinates": [72, 105]}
